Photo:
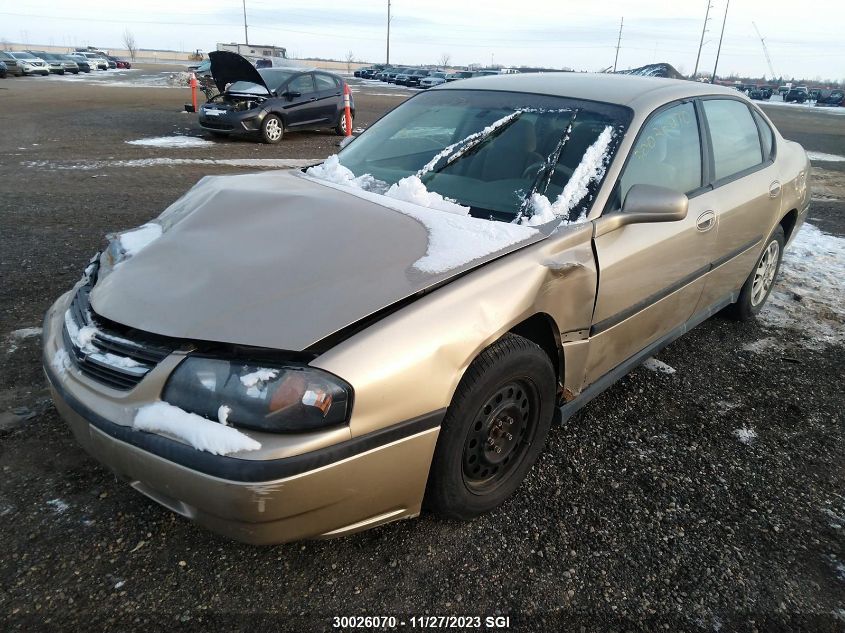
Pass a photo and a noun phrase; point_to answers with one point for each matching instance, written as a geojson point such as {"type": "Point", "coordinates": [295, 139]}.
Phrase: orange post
{"type": "Point", "coordinates": [347, 111]}
{"type": "Point", "coordinates": [193, 84]}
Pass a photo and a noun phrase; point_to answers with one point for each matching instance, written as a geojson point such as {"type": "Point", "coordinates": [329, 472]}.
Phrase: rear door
{"type": "Point", "coordinates": [301, 107]}
{"type": "Point", "coordinates": [329, 97]}
{"type": "Point", "coordinates": [748, 192]}
{"type": "Point", "coordinates": [651, 275]}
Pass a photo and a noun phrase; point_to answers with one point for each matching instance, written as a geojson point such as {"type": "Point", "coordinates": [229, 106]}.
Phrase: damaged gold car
{"type": "Point", "coordinates": [297, 354]}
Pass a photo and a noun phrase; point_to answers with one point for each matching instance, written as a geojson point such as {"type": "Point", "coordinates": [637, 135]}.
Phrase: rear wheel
{"type": "Point", "coordinates": [272, 129]}
{"type": "Point", "coordinates": [340, 128]}
{"type": "Point", "coordinates": [494, 429]}
{"type": "Point", "coordinates": [758, 286]}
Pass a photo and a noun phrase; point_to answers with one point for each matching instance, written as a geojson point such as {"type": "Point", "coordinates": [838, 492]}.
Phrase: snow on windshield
{"type": "Point", "coordinates": [591, 169]}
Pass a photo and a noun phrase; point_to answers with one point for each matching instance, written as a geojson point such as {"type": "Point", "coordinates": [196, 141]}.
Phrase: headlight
{"type": "Point", "coordinates": [277, 398]}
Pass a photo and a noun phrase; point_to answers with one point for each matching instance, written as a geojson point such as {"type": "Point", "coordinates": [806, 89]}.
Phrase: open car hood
{"type": "Point", "coordinates": [227, 68]}
{"type": "Point", "coordinates": [279, 260]}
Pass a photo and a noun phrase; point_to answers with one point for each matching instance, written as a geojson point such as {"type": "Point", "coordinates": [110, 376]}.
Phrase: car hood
{"type": "Point", "coordinates": [280, 260]}
{"type": "Point", "coordinates": [228, 67]}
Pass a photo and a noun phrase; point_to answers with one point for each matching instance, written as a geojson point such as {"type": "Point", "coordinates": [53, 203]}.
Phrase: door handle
{"type": "Point", "coordinates": [774, 189]}
{"type": "Point", "coordinates": [706, 221]}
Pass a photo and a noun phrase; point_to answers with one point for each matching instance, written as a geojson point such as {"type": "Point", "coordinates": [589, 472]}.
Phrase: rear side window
{"type": "Point", "coordinates": [736, 141]}
{"type": "Point", "coordinates": [324, 82]}
{"type": "Point", "coordinates": [667, 153]}
{"type": "Point", "coordinates": [766, 135]}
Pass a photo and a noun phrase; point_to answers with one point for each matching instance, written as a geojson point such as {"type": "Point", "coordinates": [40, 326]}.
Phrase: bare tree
{"type": "Point", "coordinates": [445, 58]}
{"type": "Point", "coordinates": [350, 57]}
{"type": "Point", "coordinates": [129, 43]}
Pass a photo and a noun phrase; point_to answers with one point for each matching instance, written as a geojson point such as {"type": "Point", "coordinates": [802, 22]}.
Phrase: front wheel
{"type": "Point", "coordinates": [494, 429]}
{"type": "Point", "coordinates": [758, 286]}
{"type": "Point", "coordinates": [272, 129]}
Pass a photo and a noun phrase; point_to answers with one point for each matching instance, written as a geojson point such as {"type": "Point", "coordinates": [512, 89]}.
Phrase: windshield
{"type": "Point", "coordinates": [273, 77]}
{"type": "Point", "coordinates": [23, 55]}
{"type": "Point", "coordinates": [491, 151]}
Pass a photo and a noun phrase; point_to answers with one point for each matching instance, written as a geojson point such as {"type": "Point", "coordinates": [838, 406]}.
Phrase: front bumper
{"type": "Point", "coordinates": [336, 489]}
{"type": "Point", "coordinates": [244, 122]}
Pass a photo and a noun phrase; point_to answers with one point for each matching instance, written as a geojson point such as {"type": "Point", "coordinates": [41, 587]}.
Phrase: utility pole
{"type": "Point", "coordinates": [246, 36]}
{"type": "Point", "coordinates": [618, 42]}
{"type": "Point", "coordinates": [701, 43]}
{"type": "Point", "coordinates": [388, 33]}
{"type": "Point", "coordinates": [719, 50]}
{"type": "Point", "coordinates": [766, 51]}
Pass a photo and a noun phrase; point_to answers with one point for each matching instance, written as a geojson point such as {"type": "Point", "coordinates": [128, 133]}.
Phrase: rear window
{"type": "Point", "coordinates": [736, 140]}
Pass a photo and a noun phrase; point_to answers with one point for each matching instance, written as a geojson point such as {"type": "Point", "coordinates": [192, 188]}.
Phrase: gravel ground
{"type": "Point", "coordinates": [648, 511]}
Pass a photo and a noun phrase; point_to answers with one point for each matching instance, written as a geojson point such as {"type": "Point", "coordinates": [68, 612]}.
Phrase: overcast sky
{"type": "Point", "coordinates": [805, 38]}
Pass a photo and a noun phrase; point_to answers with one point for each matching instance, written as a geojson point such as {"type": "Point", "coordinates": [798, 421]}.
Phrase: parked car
{"type": "Point", "coordinates": [485, 73]}
{"type": "Point", "coordinates": [434, 79]}
{"type": "Point", "coordinates": [402, 78]}
{"type": "Point", "coordinates": [29, 64]}
{"type": "Point", "coordinates": [415, 78]}
{"type": "Point", "coordinates": [67, 65]}
{"type": "Point", "coordinates": [3, 69]}
{"type": "Point", "coordinates": [460, 74]}
{"type": "Point", "coordinates": [370, 73]}
{"type": "Point", "coordinates": [119, 63]}
{"type": "Point", "coordinates": [280, 355]}
{"type": "Point", "coordinates": [95, 60]}
{"type": "Point", "coordinates": [268, 102]}
{"type": "Point", "coordinates": [831, 98]}
{"type": "Point", "coordinates": [82, 62]}
{"type": "Point", "coordinates": [760, 93]}
{"type": "Point", "coordinates": [55, 65]}
{"type": "Point", "coordinates": [12, 66]}
{"type": "Point", "coordinates": [391, 75]}
{"type": "Point", "coordinates": [799, 95]}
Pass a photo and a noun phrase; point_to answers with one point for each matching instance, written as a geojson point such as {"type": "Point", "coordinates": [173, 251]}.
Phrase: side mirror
{"type": "Point", "coordinates": [645, 203]}
{"type": "Point", "coordinates": [290, 95]}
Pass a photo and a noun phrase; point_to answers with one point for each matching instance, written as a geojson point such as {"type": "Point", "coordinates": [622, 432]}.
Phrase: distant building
{"type": "Point", "coordinates": [254, 50]}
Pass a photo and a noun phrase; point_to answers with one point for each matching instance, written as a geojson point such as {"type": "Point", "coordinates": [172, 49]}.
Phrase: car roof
{"type": "Point", "coordinates": [628, 90]}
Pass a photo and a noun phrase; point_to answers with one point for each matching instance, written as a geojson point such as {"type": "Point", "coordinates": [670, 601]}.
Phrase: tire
{"type": "Point", "coordinates": [340, 128]}
{"type": "Point", "coordinates": [753, 295]}
{"type": "Point", "coordinates": [272, 129]}
{"type": "Point", "coordinates": [511, 379]}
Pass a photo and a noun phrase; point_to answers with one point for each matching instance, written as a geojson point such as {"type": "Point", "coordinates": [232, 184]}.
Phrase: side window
{"type": "Point", "coordinates": [667, 153]}
{"type": "Point", "coordinates": [766, 134]}
{"type": "Point", "coordinates": [302, 84]}
{"type": "Point", "coordinates": [325, 83]}
{"type": "Point", "coordinates": [736, 141]}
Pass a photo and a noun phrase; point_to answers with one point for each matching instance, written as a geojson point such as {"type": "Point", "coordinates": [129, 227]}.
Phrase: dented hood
{"type": "Point", "coordinates": [228, 67]}
{"type": "Point", "coordinates": [278, 260]}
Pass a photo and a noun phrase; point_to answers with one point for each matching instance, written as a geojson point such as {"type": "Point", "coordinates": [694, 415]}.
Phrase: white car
{"type": "Point", "coordinates": [97, 61]}
{"type": "Point", "coordinates": [30, 64]}
{"type": "Point", "coordinates": [434, 79]}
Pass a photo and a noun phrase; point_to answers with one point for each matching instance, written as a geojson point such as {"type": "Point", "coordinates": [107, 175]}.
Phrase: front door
{"type": "Point", "coordinates": [301, 107]}
{"type": "Point", "coordinates": [651, 275]}
{"type": "Point", "coordinates": [329, 97]}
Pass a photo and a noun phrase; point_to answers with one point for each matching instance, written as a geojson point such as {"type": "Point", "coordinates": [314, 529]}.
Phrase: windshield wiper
{"type": "Point", "coordinates": [456, 151]}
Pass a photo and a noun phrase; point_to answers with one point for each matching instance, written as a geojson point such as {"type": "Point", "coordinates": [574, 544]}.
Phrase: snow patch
{"type": "Point", "coordinates": [262, 163]}
{"type": "Point", "coordinates": [60, 362]}
{"type": "Point", "coordinates": [134, 241]}
{"type": "Point", "coordinates": [590, 169]}
{"type": "Point", "coordinates": [178, 141]}
{"type": "Point", "coordinates": [411, 189]}
{"type": "Point", "coordinates": [254, 382]}
{"type": "Point", "coordinates": [746, 435]}
{"type": "Point", "coordinates": [652, 364]}
{"type": "Point", "coordinates": [810, 294]}
{"type": "Point", "coordinates": [58, 506]}
{"type": "Point", "coordinates": [826, 158]}
{"type": "Point", "coordinates": [16, 336]}
{"type": "Point", "coordinates": [763, 345]}
{"type": "Point", "coordinates": [332, 171]}
{"type": "Point", "coordinates": [119, 584]}
{"type": "Point", "coordinates": [195, 430]}
{"type": "Point", "coordinates": [223, 414]}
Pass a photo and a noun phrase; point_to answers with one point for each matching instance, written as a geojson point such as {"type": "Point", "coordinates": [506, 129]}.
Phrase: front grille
{"type": "Point", "coordinates": [216, 126]}
{"type": "Point", "coordinates": [119, 360]}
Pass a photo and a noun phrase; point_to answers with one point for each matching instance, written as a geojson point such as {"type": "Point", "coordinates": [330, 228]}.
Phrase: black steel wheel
{"type": "Point", "coordinates": [494, 429]}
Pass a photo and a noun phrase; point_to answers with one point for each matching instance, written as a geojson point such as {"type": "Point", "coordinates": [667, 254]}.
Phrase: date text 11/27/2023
{"type": "Point", "coordinates": [422, 621]}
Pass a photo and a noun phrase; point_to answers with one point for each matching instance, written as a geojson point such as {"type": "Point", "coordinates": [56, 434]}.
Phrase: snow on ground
{"type": "Point", "coordinates": [746, 435]}
{"type": "Point", "coordinates": [15, 337]}
{"type": "Point", "coordinates": [178, 141]}
{"type": "Point", "coordinates": [589, 170]}
{"type": "Point", "coordinates": [825, 158]}
{"type": "Point", "coordinates": [454, 239]}
{"type": "Point", "coordinates": [652, 364]}
{"type": "Point", "coordinates": [195, 430]}
{"type": "Point", "coordinates": [807, 105]}
{"type": "Point", "coordinates": [763, 345]}
{"type": "Point", "coordinates": [810, 294]}
{"type": "Point", "coordinates": [58, 506]}
{"type": "Point", "coordinates": [90, 165]}
{"type": "Point", "coordinates": [129, 78]}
